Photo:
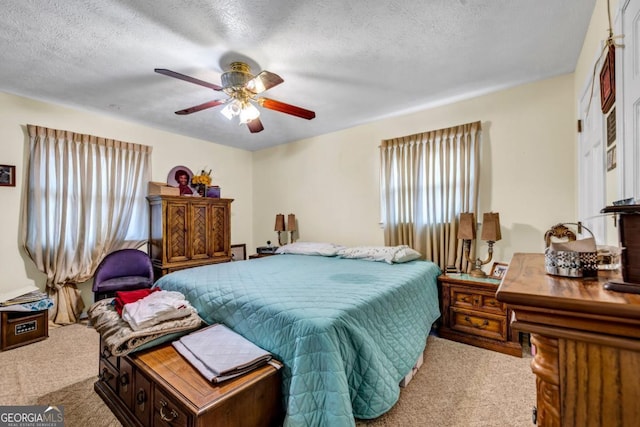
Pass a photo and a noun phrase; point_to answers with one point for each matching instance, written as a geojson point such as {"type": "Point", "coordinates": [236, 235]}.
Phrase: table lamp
{"type": "Point", "coordinates": [279, 227]}
{"type": "Point", "coordinates": [490, 233]}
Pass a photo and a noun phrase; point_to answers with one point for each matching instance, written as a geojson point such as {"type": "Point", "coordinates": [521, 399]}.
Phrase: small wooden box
{"type": "Point", "coordinates": [20, 328]}
{"type": "Point", "coordinates": [162, 189]}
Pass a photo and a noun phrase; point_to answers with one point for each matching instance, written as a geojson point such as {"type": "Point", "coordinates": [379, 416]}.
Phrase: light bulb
{"type": "Point", "coordinates": [248, 113]}
{"type": "Point", "coordinates": [232, 109]}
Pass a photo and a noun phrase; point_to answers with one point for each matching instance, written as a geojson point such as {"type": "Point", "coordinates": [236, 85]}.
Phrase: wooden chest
{"type": "Point", "coordinates": [23, 327]}
{"type": "Point", "coordinates": [158, 387]}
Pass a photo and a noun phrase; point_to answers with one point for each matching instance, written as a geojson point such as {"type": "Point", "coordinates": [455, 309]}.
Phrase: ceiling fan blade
{"type": "Point", "coordinates": [263, 81]}
{"type": "Point", "coordinates": [255, 126]}
{"type": "Point", "coordinates": [201, 107]}
{"type": "Point", "coordinates": [187, 78]}
{"type": "Point", "coordinates": [272, 104]}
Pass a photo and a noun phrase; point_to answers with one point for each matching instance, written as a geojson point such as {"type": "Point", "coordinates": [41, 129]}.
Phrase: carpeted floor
{"type": "Point", "coordinates": [458, 385]}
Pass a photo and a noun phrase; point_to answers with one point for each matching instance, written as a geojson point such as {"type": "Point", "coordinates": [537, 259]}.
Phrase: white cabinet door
{"type": "Point", "coordinates": [628, 97]}
{"type": "Point", "coordinates": [591, 163]}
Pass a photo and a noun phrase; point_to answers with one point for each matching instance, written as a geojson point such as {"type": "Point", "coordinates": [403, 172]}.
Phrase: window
{"type": "Point", "coordinates": [86, 198]}
{"type": "Point", "coordinates": [427, 179]}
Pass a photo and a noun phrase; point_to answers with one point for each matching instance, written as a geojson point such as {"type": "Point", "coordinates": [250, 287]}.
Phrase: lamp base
{"type": "Point", "coordinates": [476, 272]}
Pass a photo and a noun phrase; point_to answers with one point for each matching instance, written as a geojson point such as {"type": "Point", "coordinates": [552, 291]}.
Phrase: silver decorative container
{"type": "Point", "coordinates": [570, 263]}
{"type": "Point", "coordinates": [560, 260]}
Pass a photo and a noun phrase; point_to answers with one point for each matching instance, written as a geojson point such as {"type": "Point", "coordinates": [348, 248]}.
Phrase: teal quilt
{"type": "Point", "coordinates": [347, 330]}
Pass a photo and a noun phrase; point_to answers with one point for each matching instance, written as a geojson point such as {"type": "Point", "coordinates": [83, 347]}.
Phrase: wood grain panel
{"type": "Point", "coordinates": [606, 376]}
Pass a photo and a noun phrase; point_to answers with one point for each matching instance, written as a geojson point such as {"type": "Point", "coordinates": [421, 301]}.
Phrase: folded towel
{"type": "Point", "coordinates": [156, 308]}
{"type": "Point", "coordinates": [127, 297]}
{"type": "Point", "coordinates": [219, 354]}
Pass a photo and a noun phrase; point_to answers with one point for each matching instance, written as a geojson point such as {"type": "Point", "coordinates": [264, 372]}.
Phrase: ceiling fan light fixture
{"type": "Point", "coordinates": [232, 109]}
{"type": "Point", "coordinates": [248, 113]}
{"type": "Point", "coordinates": [236, 79]}
{"type": "Point", "coordinates": [244, 110]}
{"type": "Point", "coordinates": [242, 88]}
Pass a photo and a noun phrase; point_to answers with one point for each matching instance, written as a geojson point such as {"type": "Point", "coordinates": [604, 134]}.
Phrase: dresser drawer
{"type": "Point", "coordinates": [108, 375]}
{"type": "Point", "coordinates": [478, 323]}
{"type": "Point", "coordinates": [166, 412]}
{"type": "Point", "coordinates": [105, 354]}
{"type": "Point", "coordinates": [470, 299]}
{"type": "Point", "coordinates": [142, 403]}
{"type": "Point", "coordinates": [125, 382]}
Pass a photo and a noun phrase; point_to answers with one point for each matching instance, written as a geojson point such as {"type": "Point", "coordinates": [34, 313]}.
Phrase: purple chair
{"type": "Point", "coordinates": [122, 270]}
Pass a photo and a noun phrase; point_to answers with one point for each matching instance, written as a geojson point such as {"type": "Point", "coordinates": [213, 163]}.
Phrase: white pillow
{"type": "Point", "coordinates": [309, 248]}
{"type": "Point", "coordinates": [405, 254]}
{"type": "Point", "coordinates": [388, 254]}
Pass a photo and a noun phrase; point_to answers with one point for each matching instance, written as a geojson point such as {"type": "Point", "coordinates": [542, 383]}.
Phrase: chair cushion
{"type": "Point", "coordinates": [125, 283]}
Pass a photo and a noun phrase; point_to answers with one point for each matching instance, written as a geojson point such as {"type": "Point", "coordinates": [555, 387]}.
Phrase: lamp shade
{"type": "Point", "coordinates": [491, 227]}
{"type": "Point", "coordinates": [291, 222]}
{"type": "Point", "coordinates": [467, 227]}
{"type": "Point", "coordinates": [279, 223]}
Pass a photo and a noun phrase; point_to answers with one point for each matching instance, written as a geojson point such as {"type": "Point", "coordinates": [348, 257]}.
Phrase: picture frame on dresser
{"type": "Point", "coordinates": [239, 252]}
{"type": "Point", "coordinates": [498, 270]}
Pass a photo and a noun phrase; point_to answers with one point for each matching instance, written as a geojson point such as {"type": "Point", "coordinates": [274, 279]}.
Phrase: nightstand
{"type": "Point", "coordinates": [471, 314]}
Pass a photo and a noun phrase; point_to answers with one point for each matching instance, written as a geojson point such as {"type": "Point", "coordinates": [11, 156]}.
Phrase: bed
{"type": "Point", "coordinates": [347, 330]}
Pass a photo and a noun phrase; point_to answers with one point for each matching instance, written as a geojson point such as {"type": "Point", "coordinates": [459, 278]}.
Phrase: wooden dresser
{"type": "Point", "coordinates": [158, 387]}
{"type": "Point", "coordinates": [471, 314]}
{"type": "Point", "coordinates": [587, 343]}
{"type": "Point", "coordinates": [188, 232]}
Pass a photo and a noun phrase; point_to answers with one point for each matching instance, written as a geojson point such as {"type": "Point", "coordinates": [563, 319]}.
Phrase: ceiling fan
{"type": "Point", "coordinates": [242, 89]}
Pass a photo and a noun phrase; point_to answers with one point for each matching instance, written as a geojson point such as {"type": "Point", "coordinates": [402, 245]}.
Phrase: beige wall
{"type": "Point", "coordinates": [527, 173]}
{"type": "Point", "coordinates": [593, 42]}
{"type": "Point", "coordinates": [231, 170]}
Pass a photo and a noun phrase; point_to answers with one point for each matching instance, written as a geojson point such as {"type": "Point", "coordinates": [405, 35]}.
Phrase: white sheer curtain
{"type": "Point", "coordinates": [85, 198]}
{"type": "Point", "coordinates": [426, 180]}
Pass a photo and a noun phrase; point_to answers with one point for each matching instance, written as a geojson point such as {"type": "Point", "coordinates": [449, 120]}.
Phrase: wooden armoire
{"type": "Point", "coordinates": [187, 232]}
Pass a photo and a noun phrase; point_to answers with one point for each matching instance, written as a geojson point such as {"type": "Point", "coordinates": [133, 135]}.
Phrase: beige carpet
{"type": "Point", "coordinates": [458, 385]}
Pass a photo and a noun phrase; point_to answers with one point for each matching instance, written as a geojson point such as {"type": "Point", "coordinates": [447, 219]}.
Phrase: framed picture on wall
{"type": "Point", "coordinates": [239, 252]}
{"type": "Point", "coordinates": [611, 127]}
{"type": "Point", "coordinates": [7, 176]}
{"type": "Point", "coordinates": [608, 81]}
{"type": "Point", "coordinates": [611, 158]}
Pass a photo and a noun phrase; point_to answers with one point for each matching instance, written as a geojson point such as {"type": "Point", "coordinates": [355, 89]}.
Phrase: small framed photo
{"type": "Point", "coordinates": [498, 270]}
{"type": "Point", "coordinates": [7, 176]}
{"type": "Point", "coordinates": [239, 252]}
{"type": "Point", "coordinates": [608, 81]}
{"type": "Point", "coordinates": [611, 158]}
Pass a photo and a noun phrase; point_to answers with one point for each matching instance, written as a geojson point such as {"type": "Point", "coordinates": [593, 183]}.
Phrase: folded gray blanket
{"type": "Point", "coordinates": [219, 354]}
{"type": "Point", "coordinates": [118, 336]}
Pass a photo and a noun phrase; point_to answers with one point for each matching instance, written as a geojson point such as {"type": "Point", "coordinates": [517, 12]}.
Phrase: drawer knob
{"type": "Point", "coordinates": [164, 417]}
{"type": "Point", "coordinates": [105, 375]}
{"type": "Point", "coordinates": [124, 380]}
{"type": "Point", "coordinates": [106, 353]}
{"type": "Point", "coordinates": [141, 398]}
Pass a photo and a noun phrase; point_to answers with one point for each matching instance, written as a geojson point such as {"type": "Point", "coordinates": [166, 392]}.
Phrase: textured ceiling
{"type": "Point", "coordinates": [351, 62]}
